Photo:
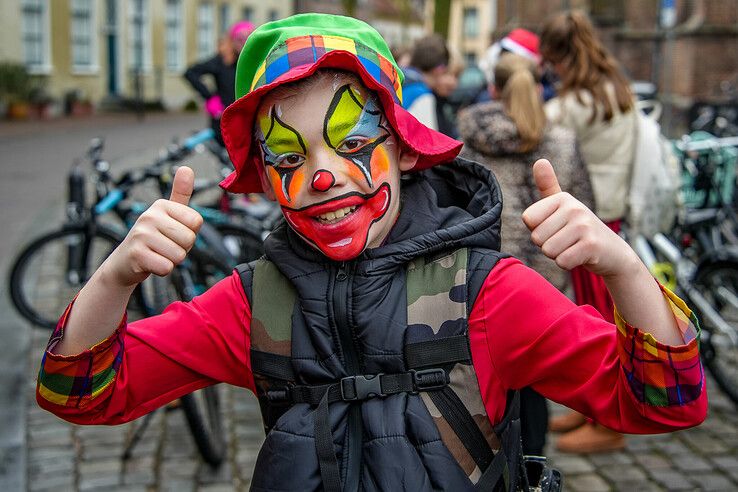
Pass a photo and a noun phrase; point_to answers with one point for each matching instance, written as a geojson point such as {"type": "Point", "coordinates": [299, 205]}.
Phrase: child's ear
{"type": "Point", "coordinates": [408, 159]}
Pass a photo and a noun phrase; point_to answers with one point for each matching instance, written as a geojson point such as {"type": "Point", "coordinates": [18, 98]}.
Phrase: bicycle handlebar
{"type": "Point", "coordinates": [198, 138]}
{"type": "Point", "coordinates": [713, 143]}
{"type": "Point", "coordinates": [110, 200]}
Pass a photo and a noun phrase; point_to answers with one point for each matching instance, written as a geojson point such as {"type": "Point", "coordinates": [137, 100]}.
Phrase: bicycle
{"type": "Point", "coordinates": [50, 270]}
{"type": "Point", "coordinates": [70, 255]}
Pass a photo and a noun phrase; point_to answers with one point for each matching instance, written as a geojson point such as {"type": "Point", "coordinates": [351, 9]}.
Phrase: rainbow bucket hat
{"type": "Point", "coordinates": [294, 48]}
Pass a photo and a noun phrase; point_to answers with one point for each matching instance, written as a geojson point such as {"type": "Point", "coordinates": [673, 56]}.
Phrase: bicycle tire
{"type": "Point", "coordinates": [243, 244]}
{"type": "Point", "coordinates": [202, 412]}
{"type": "Point", "coordinates": [43, 298]}
{"type": "Point", "coordinates": [202, 408]}
{"type": "Point", "coordinates": [719, 354]}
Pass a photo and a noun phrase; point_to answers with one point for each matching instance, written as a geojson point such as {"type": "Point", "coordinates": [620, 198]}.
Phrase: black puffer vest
{"type": "Point", "coordinates": [358, 396]}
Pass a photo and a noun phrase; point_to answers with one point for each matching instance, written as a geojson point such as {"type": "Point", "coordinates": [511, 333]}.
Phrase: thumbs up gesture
{"type": "Point", "coordinates": [160, 238]}
{"type": "Point", "coordinates": [571, 234]}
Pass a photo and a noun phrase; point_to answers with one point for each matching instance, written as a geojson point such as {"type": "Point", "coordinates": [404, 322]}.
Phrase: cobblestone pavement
{"type": "Point", "coordinates": [64, 457]}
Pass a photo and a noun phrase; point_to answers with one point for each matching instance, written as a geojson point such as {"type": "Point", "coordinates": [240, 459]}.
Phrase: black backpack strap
{"type": "Point", "coordinates": [246, 274]}
{"type": "Point", "coordinates": [481, 263]}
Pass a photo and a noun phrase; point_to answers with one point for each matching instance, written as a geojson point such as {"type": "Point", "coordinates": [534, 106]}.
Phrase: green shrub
{"type": "Point", "coordinates": [16, 84]}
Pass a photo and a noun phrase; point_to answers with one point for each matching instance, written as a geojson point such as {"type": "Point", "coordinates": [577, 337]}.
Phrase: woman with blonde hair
{"type": "Point", "coordinates": [507, 135]}
{"type": "Point", "coordinates": [594, 99]}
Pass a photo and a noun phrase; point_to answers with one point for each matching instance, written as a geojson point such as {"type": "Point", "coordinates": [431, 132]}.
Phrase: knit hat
{"type": "Point", "coordinates": [522, 42]}
{"type": "Point", "coordinates": [294, 48]}
{"type": "Point", "coordinates": [240, 31]}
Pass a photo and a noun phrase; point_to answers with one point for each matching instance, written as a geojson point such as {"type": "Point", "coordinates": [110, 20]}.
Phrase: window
{"type": "Point", "coordinates": [82, 34]}
{"type": "Point", "coordinates": [471, 23]}
{"type": "Point", "coordinates": [35, 28]}
{"type": "Point", "coordinates": [248, 14]}
{"type": "Point", "coordinates": [224, 18]}
{"type": "Point", "coordinates": [139, 39]}
{"type": "Point", "coordinates": [205, 30]}
{"type": "Point", "coordinates": [174, 36]}
{"type": "Point", "coordinates": [273, 15]}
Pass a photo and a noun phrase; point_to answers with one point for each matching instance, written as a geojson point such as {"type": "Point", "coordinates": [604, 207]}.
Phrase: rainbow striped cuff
{"type": "Point", "coordinates": [662, 375]}
{"type": "Point", "coordinates": [75, 380]}
{"type": "Point", "coordinates": [306, 50]}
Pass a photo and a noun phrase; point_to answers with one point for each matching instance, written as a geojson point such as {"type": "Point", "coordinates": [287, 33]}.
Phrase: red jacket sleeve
{"type": "Point", "coordinates": [524, 332]}
{"type": "Point", "coordinates": [147, 363]}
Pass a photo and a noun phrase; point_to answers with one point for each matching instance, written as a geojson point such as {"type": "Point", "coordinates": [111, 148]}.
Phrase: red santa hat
{"type": "Point", "coordinates": [522, 42]}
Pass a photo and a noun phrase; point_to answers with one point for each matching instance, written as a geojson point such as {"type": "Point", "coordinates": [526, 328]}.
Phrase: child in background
{"type": "Point", "coordinates": [383, 332]}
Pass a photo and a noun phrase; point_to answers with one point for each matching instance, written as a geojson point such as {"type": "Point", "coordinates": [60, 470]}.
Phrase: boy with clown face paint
{"type": "Point", "coordinates": [333, 175]}
{"type": "Point", "coordinates": [383, 332]}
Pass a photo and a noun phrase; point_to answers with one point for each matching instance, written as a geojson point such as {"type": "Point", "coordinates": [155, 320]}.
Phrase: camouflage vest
{"type": "Point", "coordinates": [445, 418]}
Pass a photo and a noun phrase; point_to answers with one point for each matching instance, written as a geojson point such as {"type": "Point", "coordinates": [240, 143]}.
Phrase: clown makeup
{"type": "Point", "coordinates": [283, 149]}
{"type": "Point", "coordinates": [354, 129]}
{"type": "Point", "coordinates": [332, 164]}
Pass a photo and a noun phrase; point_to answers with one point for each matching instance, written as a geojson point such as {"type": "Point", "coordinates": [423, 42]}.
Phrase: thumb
{"type": "Point", "coordinates": [545, 178]}
{"type": "Point", "coordinates": [183, 185]}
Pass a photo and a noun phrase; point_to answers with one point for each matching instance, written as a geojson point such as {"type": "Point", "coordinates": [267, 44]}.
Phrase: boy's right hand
{"type": "Point", "coordinates": [160, 238]}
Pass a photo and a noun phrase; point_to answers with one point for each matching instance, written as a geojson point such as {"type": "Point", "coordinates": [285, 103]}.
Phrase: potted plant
{"type": "Point", "coordinates": [43, 106]}
{"type": "Point", "coordinates": [15, 89]}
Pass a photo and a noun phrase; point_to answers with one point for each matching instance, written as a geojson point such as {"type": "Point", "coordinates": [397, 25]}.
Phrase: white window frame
{"type": "Point", "coordinates": [224, 21]}
{"type": "Point", "coordinates": [130, 34]}
{"type": "Point", "coordinates": [475, 27]}
{"type": "Point", "coordinates": [179, 36]}
{"type": "Point", "coordinates": [44, 65]}
{"type": "Point", "coordinates": [247, 13]}
{"type": "Point", "coordinates": [206, 45]}
{"type": "Point", "coordinates": [92, 67]}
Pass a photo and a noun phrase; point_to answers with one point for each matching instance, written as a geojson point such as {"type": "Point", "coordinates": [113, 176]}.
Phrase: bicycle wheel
{"type": "Point", "coordinates": [50, 271]}
{"type": "Point", "coordinates": [202, 408]}
{"type": "Point", "coordinates": [719, 284]}
{"type": "Point", "coordinates": [243, 244]}
{"type": "Point", "coordinates": [202, 411]}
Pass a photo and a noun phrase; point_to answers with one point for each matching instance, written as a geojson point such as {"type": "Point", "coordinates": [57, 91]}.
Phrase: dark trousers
{"type": "Point", "coordinates": [533, 421]}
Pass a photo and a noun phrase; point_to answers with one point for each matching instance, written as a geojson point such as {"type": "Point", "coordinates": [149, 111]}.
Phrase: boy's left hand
{"type": "Point", "coordinates": [570, 233]}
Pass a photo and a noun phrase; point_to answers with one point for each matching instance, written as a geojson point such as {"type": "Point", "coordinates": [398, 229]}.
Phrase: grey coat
{"type": "Point", "coordinates": [491, 138]}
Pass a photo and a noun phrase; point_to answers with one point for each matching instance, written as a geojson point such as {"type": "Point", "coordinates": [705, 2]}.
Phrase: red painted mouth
{"type": "Point", "coordinates": [339, 233]}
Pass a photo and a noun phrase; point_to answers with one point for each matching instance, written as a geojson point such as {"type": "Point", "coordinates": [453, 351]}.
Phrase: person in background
{"type": "Point", "coordinates": [427, 73]}
{"type": "Point", "coordinates": [505, 135]}
{"type": "Point", "coordinates": [446, 107]}
{"type": "Point", "coordinates": [222, 68]}
{"type": "Point", "coordinates": [518, 41]}
{"type": "Point", "coordinates": [594, 99]}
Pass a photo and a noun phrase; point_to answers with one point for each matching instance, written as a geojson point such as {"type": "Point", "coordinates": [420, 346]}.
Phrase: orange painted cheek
{"type": "Point", "coordinates": [355, 173]}
{"type": "Point", "coordinates": [298, 180]}
{"type": "Point", "coordinates": [380, 164]}
{"type": "Point", "coordinates": [276, 183]}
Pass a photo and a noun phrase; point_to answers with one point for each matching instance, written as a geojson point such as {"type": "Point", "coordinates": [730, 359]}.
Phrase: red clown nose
{"type": "Point", "coordinates": [323, 180]}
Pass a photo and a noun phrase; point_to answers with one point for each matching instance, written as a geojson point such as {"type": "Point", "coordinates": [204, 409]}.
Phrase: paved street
{"type": "Point", "coordinates": [40, 452]}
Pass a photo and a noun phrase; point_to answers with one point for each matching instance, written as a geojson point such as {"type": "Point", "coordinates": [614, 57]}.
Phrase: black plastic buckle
{"type": "Point", "coordinates": [429, 379]}
{"type": "Point", "coordinates": [361, 387]}
{"type": "Point", "coordinates": [279, 395]}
